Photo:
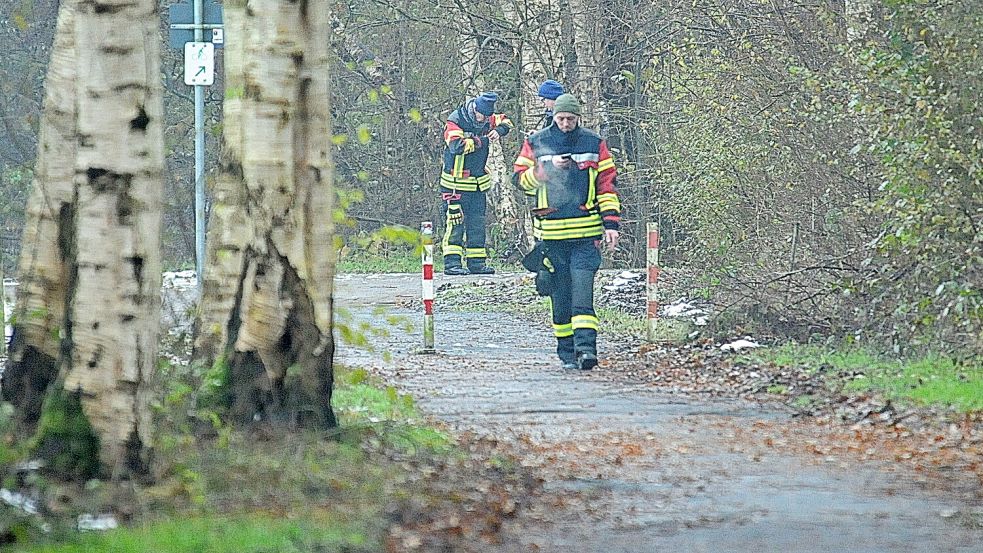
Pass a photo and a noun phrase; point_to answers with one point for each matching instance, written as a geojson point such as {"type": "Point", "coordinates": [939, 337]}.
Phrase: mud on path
{"type": "Point", "coordinates": [635, 469]}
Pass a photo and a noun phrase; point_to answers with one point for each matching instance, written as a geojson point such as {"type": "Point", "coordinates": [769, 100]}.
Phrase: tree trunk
{"type": "Point", "coordinates": [586, 38]}
{"type": "Point", "coordinates": [539, 53]}
{"type": "Point", "coordinates": [267, 300]}
{"type": "Point", "coordinates": [538, 24]}
{"type": "Point", "coordinates": [503, 196]}
{"type": "Point", "coordinates": [88, 307]}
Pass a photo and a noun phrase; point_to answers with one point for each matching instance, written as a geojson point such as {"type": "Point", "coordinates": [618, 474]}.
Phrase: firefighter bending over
{"type": "Point", "coordinates": [465, 180]}
{"type": "Point", "coordinates": [571, 174]}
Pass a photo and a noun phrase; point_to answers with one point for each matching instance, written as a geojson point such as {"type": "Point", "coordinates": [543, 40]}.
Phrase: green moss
{"type": "Point", "coordinates": [65, 438]}
{"type": "Point", "coordinates": [215, 384]}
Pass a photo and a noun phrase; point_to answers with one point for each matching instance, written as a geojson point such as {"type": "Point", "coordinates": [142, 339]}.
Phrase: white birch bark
{"type": "Point", "coordinates": [586, 41]}
{"type": "Point", "coordinates": [90, 305]}
{"type": "Point", "coordinates": [268, 282]}
{"type": "Point", "coordinates": [501, 195]}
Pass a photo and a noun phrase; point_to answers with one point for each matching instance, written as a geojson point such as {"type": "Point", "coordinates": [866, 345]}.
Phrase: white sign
{"type": "Point", "coordinates": [199, 63]}
{"type": "Point", "coordinates": [218, 37]}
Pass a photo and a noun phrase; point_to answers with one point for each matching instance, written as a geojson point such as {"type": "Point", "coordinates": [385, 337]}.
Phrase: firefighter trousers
{"type": "Point", "coordinates": [466, 239]}
{"type": "Point", "coordinates": [575, 324]}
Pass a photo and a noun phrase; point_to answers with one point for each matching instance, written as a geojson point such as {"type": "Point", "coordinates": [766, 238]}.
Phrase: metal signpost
{"type": "Point", "coordinates": [188, 25]}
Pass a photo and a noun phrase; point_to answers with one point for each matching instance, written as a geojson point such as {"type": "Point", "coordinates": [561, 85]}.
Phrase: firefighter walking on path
{"type": "Point", "coordinates": [464, 182]}
{"type": "Point", "coordinates": [571, 174]}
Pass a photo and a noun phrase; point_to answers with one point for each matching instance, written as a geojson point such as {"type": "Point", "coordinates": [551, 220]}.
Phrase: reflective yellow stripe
{"type": "Point", "coordinates": [585, 321]}
{"type": "Point", "coordinates": [525, 162]}
{"type": "Point", "coordinates": [562, 331]}
{"type": "Point", "coordinates": [452, 250]}
{"type": "Point", "coordinates": [608, 202]}
{"type": "Point", "coordinates": [475, 253]}
{"type": "Point", "coordinates": [465, 184]}
{"type": "Point", "coordinates": [453, 135]}
{"type": "Point", "coordinates": [458, 166]}
{"type": "Point", "coordinates": [604, 165]}
{"type": "Point", "coordinates": [527, 180]}
{"type": "Point", "coordinates": [591, 188]}
{"type": "Point", "coordinates": [553, 229]}
{"type": "Point", "coordinates": [590, 220]}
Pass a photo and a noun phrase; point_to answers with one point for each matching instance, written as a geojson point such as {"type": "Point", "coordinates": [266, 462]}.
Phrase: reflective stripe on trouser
{"type": "Point", "coordinates": [564, 342]}
{"type": "Point", "coordinates": [575, 263]}
{"type": "Point", "coordinates": [465, 239]}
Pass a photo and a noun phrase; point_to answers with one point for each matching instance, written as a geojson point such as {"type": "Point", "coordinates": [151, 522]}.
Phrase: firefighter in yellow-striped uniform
{"type": "Point", "coordinates": [464, 181]}
{"type": "Point", "coordinates": [570, 172]}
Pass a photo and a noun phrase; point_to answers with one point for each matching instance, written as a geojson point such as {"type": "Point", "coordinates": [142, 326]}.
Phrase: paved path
{"type": "Point", "coordinates": [651, 472]}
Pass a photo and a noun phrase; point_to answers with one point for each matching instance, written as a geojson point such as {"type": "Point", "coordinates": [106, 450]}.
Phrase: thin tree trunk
{"type": "Point", "coordinates": [584, 22]}
{"type": "Point", "coordinates": [538, 25]}
{"type": "Point", "coordinates": [503, 196]}
{"type": "Point", "coordinates": [89, 305]}
{"type": "Point", "coordinates": [268, 282]}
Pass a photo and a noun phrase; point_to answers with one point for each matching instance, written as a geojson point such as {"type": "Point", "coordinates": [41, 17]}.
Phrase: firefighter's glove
{"type": "Point", "coordinates": [454, 214]}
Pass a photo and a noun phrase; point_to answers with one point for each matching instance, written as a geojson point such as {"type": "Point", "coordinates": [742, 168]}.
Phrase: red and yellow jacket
{"type": "Point", "coordinates": [466, 151]}
{"type": "Point", "coordinates": [584, 198]}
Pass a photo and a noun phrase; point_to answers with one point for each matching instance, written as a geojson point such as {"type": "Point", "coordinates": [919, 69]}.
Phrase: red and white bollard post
{"type": "Point", "coordinates": [652, 261]}
{"type": "Point", "coordinates": [426, 231]}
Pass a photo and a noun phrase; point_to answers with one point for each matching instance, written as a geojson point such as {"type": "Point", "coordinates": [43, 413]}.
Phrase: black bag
{"type": "Point", "coordinates": [537, 261]}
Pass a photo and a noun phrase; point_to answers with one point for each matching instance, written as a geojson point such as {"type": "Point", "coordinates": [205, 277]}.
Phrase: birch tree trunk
{"type": "Point", "coordinates": [267, 301]}
{"type": "Point", "coordinates": [538, 24]}
{"type": "Point", "coordinates": [88, 308]}
{"type": "Point", "coordinates": [503, 196]}
{"type": "Point", "coordinates": [584, 21]}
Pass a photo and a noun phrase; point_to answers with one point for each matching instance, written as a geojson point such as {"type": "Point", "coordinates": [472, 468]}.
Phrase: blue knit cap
{"type": "Point", "coordinates": [550, 89]}
{"type": "Point", "coordinates": [485, 104]}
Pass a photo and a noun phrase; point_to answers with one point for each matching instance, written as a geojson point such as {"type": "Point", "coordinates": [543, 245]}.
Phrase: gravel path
{"type": "Point", "coordinates": [636, 468]}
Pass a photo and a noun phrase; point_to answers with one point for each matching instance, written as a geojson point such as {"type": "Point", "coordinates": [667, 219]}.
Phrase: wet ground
{"type": "Point", "coordinates": [636, 469]}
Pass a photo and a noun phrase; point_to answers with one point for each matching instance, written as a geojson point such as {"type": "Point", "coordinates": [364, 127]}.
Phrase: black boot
{"type": "Point", "coordinates": [452, 266]}
{"type": "Point", "coordinates": [586, 361]}
{"type": "Point", "coordinates": [564, 350]}
{"type": "Point", "coordinates": [479, 268]}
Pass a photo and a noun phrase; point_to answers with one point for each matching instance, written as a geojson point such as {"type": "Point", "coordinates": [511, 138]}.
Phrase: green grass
{"type": "Point", "coordinates": [405, 260]}
{"type": "Point", "coordinates": [777, 389]}
{"type": "Point", "coordinates": [265, 491]}
{"type": "Point", "coordinates": [235, 534]}
{"type": "Point", "coordinates": [930, 380]}
{"type": "Point", "coordinates": [360, 401]}
{"type": "Point", "coordinates": [615, 322]}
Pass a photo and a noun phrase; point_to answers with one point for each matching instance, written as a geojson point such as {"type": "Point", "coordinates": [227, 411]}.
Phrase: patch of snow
{"type": "Point", "coordinates": [30, 466]}
{"type": "Point", "coordinates": [97, 523]}
{"type": "Point", "coordinates": [683, 308]}
{"type": "Point", "coordinates": [180, 279]}
{"type": "Point", "coordinates": [738, 345]}
{"type": "Point", "coordinates": [19, 501]}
